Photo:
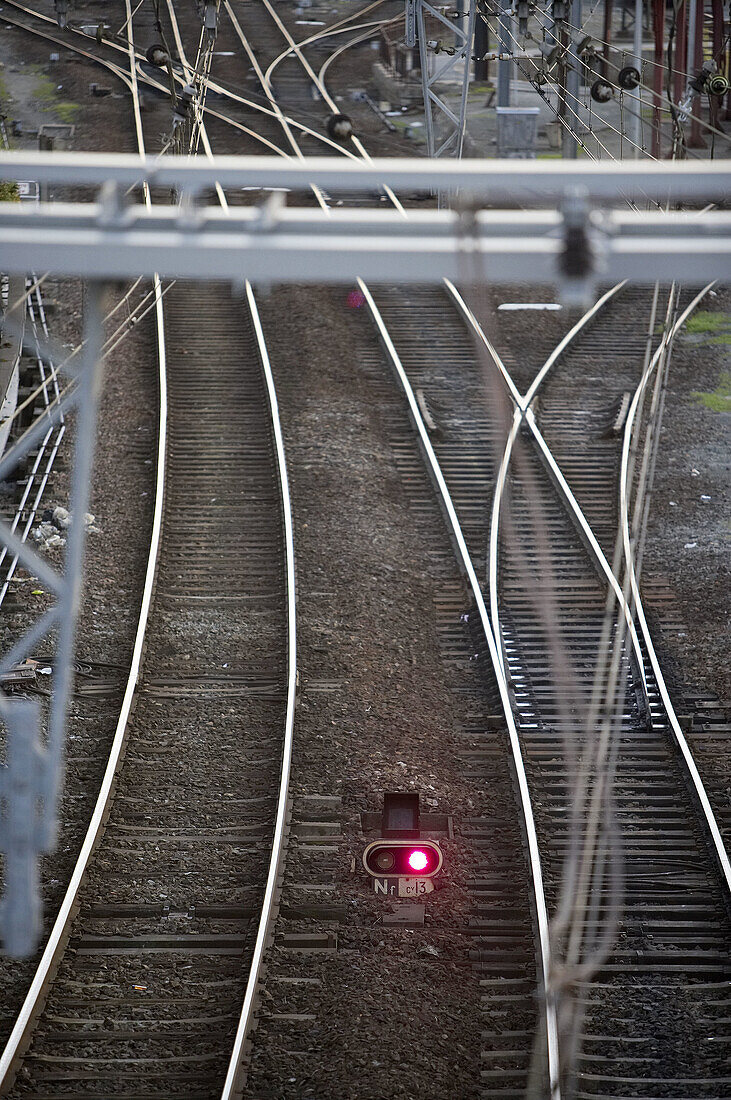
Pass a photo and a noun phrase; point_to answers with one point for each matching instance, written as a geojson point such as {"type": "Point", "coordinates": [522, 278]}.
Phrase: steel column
{"type": "Point", "coordinates": [434, 71]}
{"type": "Point", "coordinates": [607, 32]}
{"type": "Point", "coordinates": [635, 120]}
{"type": "Point", "coordinates": [658, 26]}
{"type": "Point", "coordinates": [695, 61]}
{"type": "Point", "coordinates": [573, 87]}
{"type": "Point", "coordinates": [34, 771]}
{"type": "Point", "coordinates": [504, 68]}
{"type": "Point", "coordinates": [680, 52]}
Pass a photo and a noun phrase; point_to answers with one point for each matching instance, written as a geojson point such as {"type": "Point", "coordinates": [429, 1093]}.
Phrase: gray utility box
{"type": "Point", "coordinates": [517, 130]}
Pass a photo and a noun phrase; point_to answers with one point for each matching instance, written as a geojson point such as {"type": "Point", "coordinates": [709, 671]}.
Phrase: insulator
{"type": "Point", "coordinates": [157, 55]}
{"type": "Point", "coordinates": [601, 92]}
{"type": "Point", "coordinates": [629, 78]}
{"type": "Point", "coordinates": [550, 53]}
{"type": "Point", "coordinates": [709, 80]}
{"type": "Point", "coordinates": [61, 8]}
{"type": "Point", "coordinates": [187, 95]}
{"type": "Point", "coordinates": [210, 18]}
{"type": "Point", "coordinates": [340, 127]}
{"type": "Point", "coordinates": [717, 84]}
{"type": "Point", "coordinates": [576, 260]}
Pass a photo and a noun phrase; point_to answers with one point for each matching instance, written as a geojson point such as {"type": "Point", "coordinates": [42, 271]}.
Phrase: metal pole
{"type": "Point", "coordinates": [695, 60]}
{"type": "Point", "coordinates": [89, 382]}
{"type": "Point", "coordinates": [608, 12]}
{"type": "Point", "coordinates": [635, 120]}
{"type": "Point", "coordinates": [692, 7]}
{"type": "Point", "coordinates": [570, 148]}
{"type": "Point", "coordinates": [715, 107]}
{"type": "Point", "coordinates": [658, 23]}
{"type": "Point", "coordinates": [680, 53]}
{"type": "Point", "coordinates": [504, 67]}
{"type": "Point", "coordinates": [482, 44]}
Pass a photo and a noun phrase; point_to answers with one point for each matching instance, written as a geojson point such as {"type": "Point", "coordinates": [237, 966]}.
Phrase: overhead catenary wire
{"type": "Point", "coordinates": [568, 49]}
{"type": "Point", "coordinates": [568, 95]}
{"type": "Point", "coordinates": [152, 82]}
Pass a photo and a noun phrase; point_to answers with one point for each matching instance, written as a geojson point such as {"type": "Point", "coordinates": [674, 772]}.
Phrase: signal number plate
{"type": "Point", "coordinates": [414, 887]}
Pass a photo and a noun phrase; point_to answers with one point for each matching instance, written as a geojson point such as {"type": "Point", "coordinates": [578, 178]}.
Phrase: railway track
{"type": "Point", "coordinates": [670, 946]}
{"type": "Point", "coordinates": [223, 588]}
{"type": "Point", "coordinates": [157, 957]}
{"type": "Point", "coordinates": [476, 488]}
{"type": "Point", "coordinates": [469, 477]}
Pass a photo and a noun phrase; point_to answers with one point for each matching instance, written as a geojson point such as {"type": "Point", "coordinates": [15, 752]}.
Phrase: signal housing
{"type": "Point", "coordinates": [390, 858]}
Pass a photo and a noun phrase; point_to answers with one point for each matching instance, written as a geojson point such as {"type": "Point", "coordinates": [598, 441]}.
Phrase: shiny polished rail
{"type": "Point", "coordinates": [54, 949]}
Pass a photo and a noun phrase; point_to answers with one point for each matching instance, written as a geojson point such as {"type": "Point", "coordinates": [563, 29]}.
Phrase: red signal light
{"type": "Point", "coordinates": [402, 858]}
{"type": "Point", "coordinates": [418, 860]}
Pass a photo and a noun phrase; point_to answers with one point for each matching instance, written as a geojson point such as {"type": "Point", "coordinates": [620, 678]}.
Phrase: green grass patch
{"type": "Point", "coordinates": [9, 191]}
{"type": "Point", "coordinates": [706, 322]}
{"type": "Point", "coordinates": [719, 400]}
{"type": "Point", "coordinates": [46, 95]}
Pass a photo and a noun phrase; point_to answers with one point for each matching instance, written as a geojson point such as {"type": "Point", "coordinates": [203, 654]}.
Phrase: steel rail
{"type": "Point", "coordinates": [368, 32]}
{"type": "Point", "coordinates": [468, 569]}
{"type": "Point", "coordinates": [629, 555]}
{"type": "Point", "coordinates": [281, 828]}
{"type": "Point", "coordinates": [59, 935]}
{"type": "Point", "coordinates": [523, 403]}
{"type": "Point", "coordinates": [115, 69]}
{"type": "Point", "coordinates": [60, 931]}
{"type": "Point", "coordinates": [338, 27]}
{"type": "Point", "coordinates": [158, 85]}
{"type": "Point", "coordinates": [629, 607]}
{"type": "Point", "coordinates": [551, 1026]}
{"type": "Point", "coordinates": [268, 91]}
{"type": "Point", "coordinates": [632, 608]}
{"type": "Point", "coordinates": [550, 1019]}
{"type": "Point", "coordinates": [280, 834]}
{"type": "Point", "coordinates": [522, 407]}
{"type": "Point", "coordinates": [285, 120]}
{"type": "Point", "coordinates": [322, 89]}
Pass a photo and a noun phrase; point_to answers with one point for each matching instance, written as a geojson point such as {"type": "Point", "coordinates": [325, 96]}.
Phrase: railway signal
{"type": "Point", "coordinates": [401, 862]}
{"type": "Point", "coordinates": [399, 858]}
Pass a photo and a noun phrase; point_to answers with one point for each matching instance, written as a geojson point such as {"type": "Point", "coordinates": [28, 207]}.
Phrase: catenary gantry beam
{"type": "Point", "coordinates": [277, 244]}
{"type": "Point", "coordinates": [491, 181]}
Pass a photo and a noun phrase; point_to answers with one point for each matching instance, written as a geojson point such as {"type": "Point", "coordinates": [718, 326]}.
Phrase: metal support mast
{"type": "Point", "coordinates": [573, 84]}
{"type": "Point", "coordinates": [635, 119]}
{"type": "Point", "coordinates": [444, 61]}
{"type": "Point", "coordinates": [504, 68]}
{"type": "Point", "coordinates": [30, 783]}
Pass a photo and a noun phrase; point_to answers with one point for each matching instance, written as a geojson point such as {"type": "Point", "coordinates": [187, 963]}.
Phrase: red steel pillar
{"type": "Point", "coordinates": [721, 57]}
{"type": "Point", "coordinates": [658, 25]}
{"type": "Point", "coordinates": [694, 65]}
